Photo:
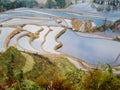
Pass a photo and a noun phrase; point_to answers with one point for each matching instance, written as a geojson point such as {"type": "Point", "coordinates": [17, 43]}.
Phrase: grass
{"type": "Point", "coordinates": [76, 24]}
{"type": "Point", "coordinates": [88, 26]}
{"type": "Point", "coordinates": [5, 57]}
{"type": "Point", "coordinates": [29, 63]}
{"type": "Point", "coordinates": [40, 70]}
{"type": "Point", "coordinates": [47, 65]}
{"type": "Point", "coordinates": [99, 79]}
{"type": "Point", "coordinates": [42, 64]}
{"type": "Point", "coordinates": [34, 65]}
{"type": "Point", "coordinates": [60, 33]}
{"type": "Point", "coordinates": [57, 36]}
{"type": "Point", "coordinates": [58, 46]}
{"type": "Point", "coordinates": [62, 64]}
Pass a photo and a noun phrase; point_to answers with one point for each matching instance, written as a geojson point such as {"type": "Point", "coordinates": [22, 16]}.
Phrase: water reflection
{"type": "Point", "coordinates": [38, 13]}
{"type": "Point", "coordinates": [3, 35]}
{"type": "Point", "coordinates": [89, 49]}
{"type": "Point", "coordinates": [97, 21]}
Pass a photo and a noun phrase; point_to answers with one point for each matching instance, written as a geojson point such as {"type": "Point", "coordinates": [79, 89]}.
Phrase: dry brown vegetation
{"type": "Point", "coordinates": [52, 73]}
{"type": "Point", "coordinates": [57, 36]}
{"type": "Point", "coordinates": [76, 24]}
{"type": "Point", "coordinates": [58, 46]}
{"type": "Point", "coordinates": [9, 37]}
{"type": "Point", "coordinates": [88, 26]}
{"type": "Point", "coordinates": [113, 27]}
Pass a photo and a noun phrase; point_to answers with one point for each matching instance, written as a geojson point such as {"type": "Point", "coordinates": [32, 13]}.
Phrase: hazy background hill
{"type": "Point", "coordinates": [99, 5]}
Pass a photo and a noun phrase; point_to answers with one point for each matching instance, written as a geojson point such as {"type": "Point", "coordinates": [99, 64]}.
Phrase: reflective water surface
{"type": "Point", "coordinates": [89, 49]}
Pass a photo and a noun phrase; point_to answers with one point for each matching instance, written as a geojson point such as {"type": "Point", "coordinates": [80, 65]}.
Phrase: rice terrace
{"type": "Point", "coordinates": [59, 45]}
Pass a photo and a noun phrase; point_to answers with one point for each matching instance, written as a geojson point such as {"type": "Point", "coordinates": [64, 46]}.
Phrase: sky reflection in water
{"type": "Point", "coordinates": [90, 50]}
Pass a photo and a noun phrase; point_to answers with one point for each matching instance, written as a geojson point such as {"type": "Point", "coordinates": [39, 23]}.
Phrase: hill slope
{"type": "Point", "coordinates": [45, 69]}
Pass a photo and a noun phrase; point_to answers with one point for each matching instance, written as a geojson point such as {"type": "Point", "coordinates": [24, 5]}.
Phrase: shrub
{"type": "Point", "coordinates": [61, 83]}
{"type": "Point", "coordinates": [26, 85]}
{"type": "Point", "coordinates": [50, 4]}
{"type": "Point", "coordinates": [99, 79]}
{"type": "Point", "coordinates": [75, 78]}
{"type": "Point", "coordinates": [61, 3]}
{"type": "Point", "coordinates": [42, 81]}
{"type": "Point", "coordinates": [1, 25]}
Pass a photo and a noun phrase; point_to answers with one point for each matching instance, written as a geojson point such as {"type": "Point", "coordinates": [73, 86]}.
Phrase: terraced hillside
{"type": "Point", "coordinates": [48, 49]}
{"type": "Point", "coordinates": [37, 31]}
{"type": "Point", "coordinates": [31, 71]}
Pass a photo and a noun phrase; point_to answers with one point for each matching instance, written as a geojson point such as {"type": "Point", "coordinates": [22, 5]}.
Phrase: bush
{"type": "Point", "coordinates": [100, 9]}
{"type": "Point", "coordinates": [26, 85]}
{"type": "Point", "coordinates": [61, 3]}
{"type": "Point", "coordinates": [42, 81]}
{"type": "Point", "coordinates": [59, 83]}
{"type": "Point", "coordinates": [75, 78]}
{"type": "Point", "coordinates": [50, 4]}
{"type": "Point", "coordinates": [1, 25]}
{"type": "Point", "coordinates": [100, 80]}
{"type": "Point", "coordinates": [12, 53]}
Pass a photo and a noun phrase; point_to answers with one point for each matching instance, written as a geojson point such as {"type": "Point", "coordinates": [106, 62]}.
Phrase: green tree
{"type": "Point", "coordinates": [1, 5]}
{"type": "Point", "coordinates": [61, 3]}
{"type": "Point", "coordinates": [10, 75]}
{"type": "Point", "coordinates": [10, 72]}
{"type": "Point", "coordinates": [99, 79]}
{"type": "Point", "coordinates": [50, 4]}
{"type": "Point", "coordinates": [20, 76]}
{"type": "Point", "coordinates": [75, 78]}
{"type": "Point", "coordinates": [12, 58]}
